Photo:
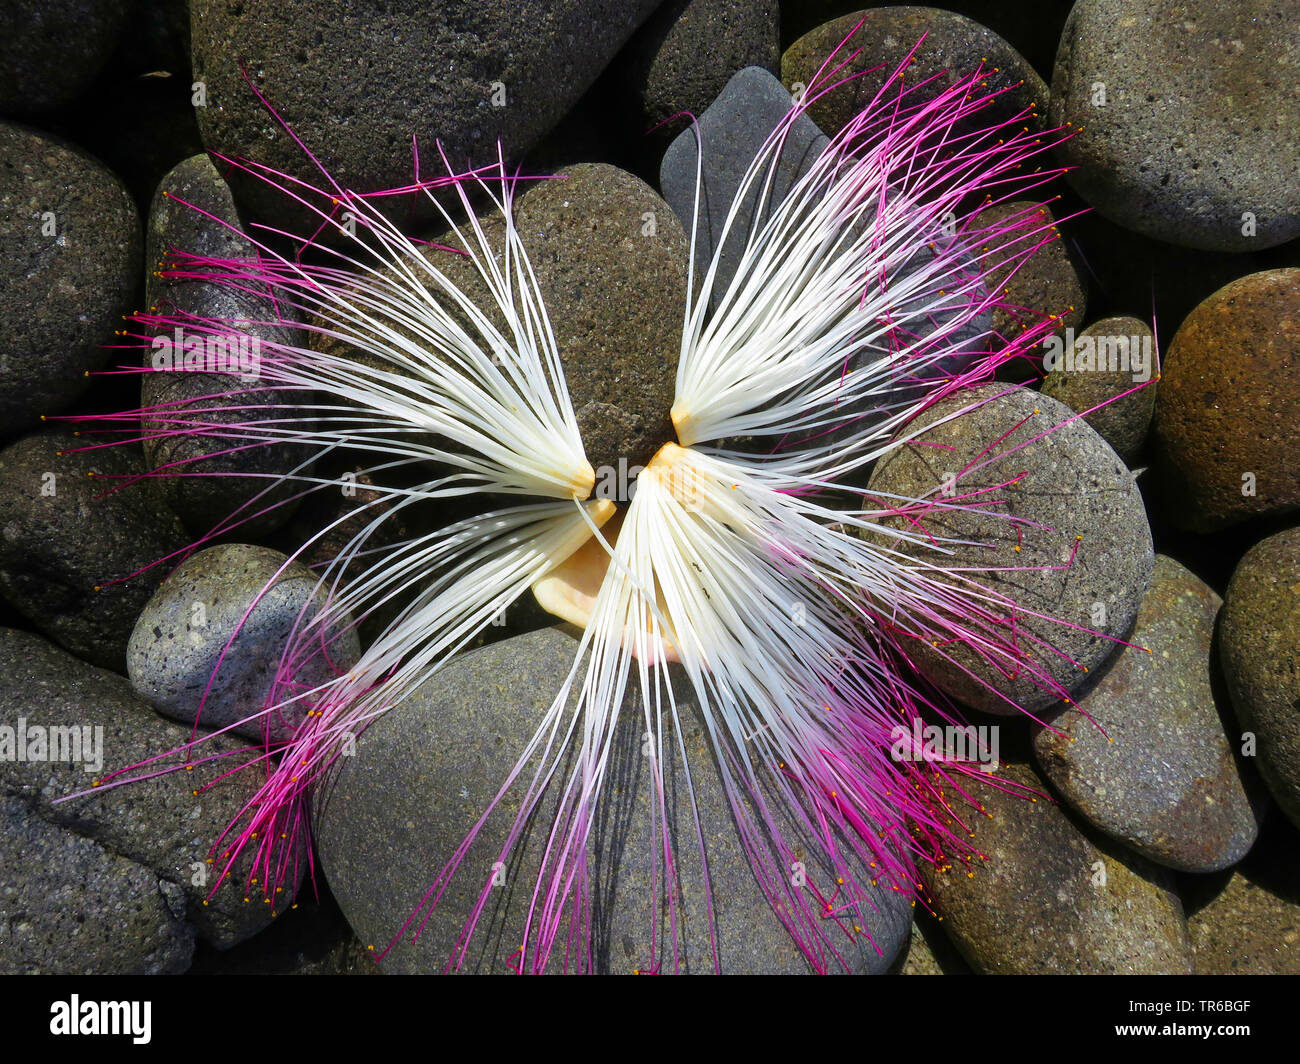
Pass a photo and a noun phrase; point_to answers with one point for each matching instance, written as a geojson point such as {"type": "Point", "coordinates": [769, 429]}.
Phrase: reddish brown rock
{"type": "Point", "coordinates": [1229, 405]}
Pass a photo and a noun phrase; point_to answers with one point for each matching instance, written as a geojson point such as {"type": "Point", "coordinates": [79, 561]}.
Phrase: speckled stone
{"type": "Point", "coordinates": [61, 537]}
{"type": "Point", "coordinates": [1199, 123]}
{"type": "Point", "coordinates": [424, 773]}
{"type": "Point", "coordinates": [70, 271]}
{"type": "Point", "coordinates": [1048, 900]}
{"type": "Point", "coordinates": [1044, 285]}
{"type": "Point", "coordinates": [1251, 925]}
{"type": "Point", "coordinates": [1260, 651]}
{"type": "Point", "coordinates": [688, 50]}
{"type": "Point", "coordinates": [1144, 756]}
{"type": "Point", "coordinates": [202, 499]}
{"type": "Point", "coordinates": [953, 48]}
{"type": "Point", "coordinates": [192, 625]}
{"type": "Point", "coordinates": [1122, 422]}
{"type": "Point", "coordinates": [1229, 404]}
{"type": "Point", "coordinates": [1070, 490]}
{"type": "Point", "coordinates": [70, 907]}
{"type": "Point", "coordinates": [158, 826]}
{"type": "Point", "coordinates": [1035, 38]}
{"type": "Point", "coordinates": [356, 86]}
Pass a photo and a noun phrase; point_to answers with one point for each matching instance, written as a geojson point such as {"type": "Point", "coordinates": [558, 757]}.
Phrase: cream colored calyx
{"type": "Point", "coordinates": [683, 423]}
{"type": "Point", "coordinates": [569, 588]}
{"type": "Point", "coordinates": [582, 483]}
{"type": "Point", "coordinates": [672, 469]}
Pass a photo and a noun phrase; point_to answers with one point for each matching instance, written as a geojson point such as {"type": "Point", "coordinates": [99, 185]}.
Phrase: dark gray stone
{"type": "Point", "coordinates": [208, 492]}
{"type": "Point", "coordinates": [424, 773]}
{"type": "Point", "coordinates": [1260, 651]}
{"type": "Point", "coordinates": [687, 51]}
{"type": "Point", "coordinates": [51, 50]}
{"type": "Point", "coordinates": [196, 658]}
{"type": "Point", "coordinates": [357, 87]}
{"type": "Point", "coordinates": [1046, 900]}
{"type": "Point", "coordinates": [71, 268]}
{"type": "Point", "coordinates": [1066, 489]}
{"type": "Point", "coordinates": [69, 907]}
{"type": "Point", "coordinates": [1144, 756]}
{"type": "Point", "coordinates": [65, 544]}
{"type": "Point", "coordinates": [1199, 123]}
{"type": "Point", "coordinates": [732, 131]}
{"type": "Point", "coordinates": [159, 825]}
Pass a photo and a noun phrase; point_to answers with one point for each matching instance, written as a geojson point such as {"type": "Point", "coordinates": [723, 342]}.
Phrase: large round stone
{"type": "Point", "coordinates": [1042, 898]}
{"type": "Point", "coordinates": [1047, 517]}
{"type": "Point", "coordinates": [1229, 403]}
{"type": "Point", "coordinates": [356, 88]}
{"type": "Point", "coordinates": [70, 270]}
{"type": "Point", "coordinates": [1186, 118]}
{"type": "Point", "coordinates": [1260, 651]}
{"type": "Point", "coordinates": [424, 773]}
{"type": "Point", "coordinates": [207, 647]}
{"type": "Point", "coordinates": [51, 50]}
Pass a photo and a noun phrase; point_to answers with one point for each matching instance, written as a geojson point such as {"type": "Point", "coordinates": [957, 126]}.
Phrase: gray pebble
{"type": "Point", "coordinates": [202, 499]}
{"type": "Point", "coordinates": [687, 51]}
{"type": "Point", "coordinates": [1186, 118]}
{"type": "Point", "coordinates": [1153, 767]}
{"type": "Point", "coordinates": [69, 543]}
{"type": "Point", "coordinates": [186, 633]}
{"type": "Point", "coordinates": [71, 268]}
{"type": "Point", "coordinates": [1129, 348]}
{"type": "Point", "coordinates": [356, 89]}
